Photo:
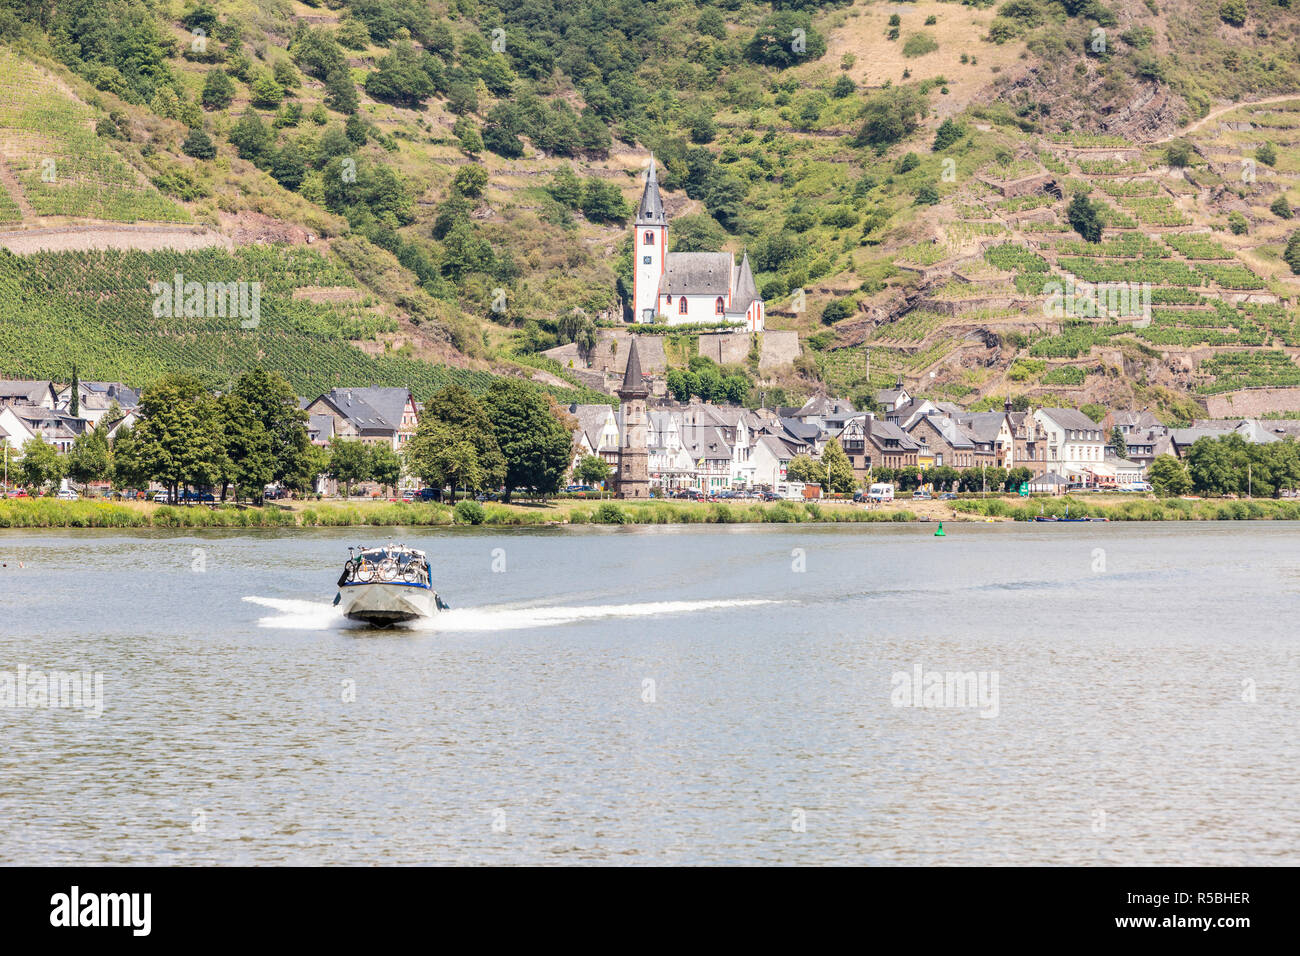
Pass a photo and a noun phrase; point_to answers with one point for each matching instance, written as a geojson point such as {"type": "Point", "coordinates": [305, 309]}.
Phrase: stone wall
{"type": "Point", "coordinates": [1253, 402]}
{"type": "Point", "coordinates": [732, 348]}
{"type": "Point", "coordinates": [777, 349]}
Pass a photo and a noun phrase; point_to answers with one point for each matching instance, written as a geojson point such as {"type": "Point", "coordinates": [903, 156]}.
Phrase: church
{"type": "Point", "coordinates": [695, 287]}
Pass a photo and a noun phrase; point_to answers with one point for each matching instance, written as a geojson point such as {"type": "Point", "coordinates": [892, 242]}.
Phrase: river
{"type": "Point", "coordinates": [664, 695]}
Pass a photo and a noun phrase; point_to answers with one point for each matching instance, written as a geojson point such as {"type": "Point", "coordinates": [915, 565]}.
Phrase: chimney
{"type": "Point", "coordinates": [1006, 405]}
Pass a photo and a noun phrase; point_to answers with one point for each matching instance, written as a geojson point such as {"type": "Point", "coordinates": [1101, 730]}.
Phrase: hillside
{"type": "Point", "coordinates": [465, 172]}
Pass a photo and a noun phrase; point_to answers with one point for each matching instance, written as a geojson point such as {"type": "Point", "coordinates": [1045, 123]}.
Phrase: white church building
{"type": "Point", "coordinates": [705, 287]}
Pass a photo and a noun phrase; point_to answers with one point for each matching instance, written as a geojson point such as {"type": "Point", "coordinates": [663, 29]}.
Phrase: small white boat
{"type": "Point", "coordinates": [387, 585]}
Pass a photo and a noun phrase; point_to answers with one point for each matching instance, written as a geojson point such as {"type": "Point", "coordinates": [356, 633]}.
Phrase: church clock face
{"type": "Point", "coordinates": [645, 260]}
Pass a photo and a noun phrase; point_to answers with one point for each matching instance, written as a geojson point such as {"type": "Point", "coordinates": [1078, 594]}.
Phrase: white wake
{"type": "Point", "coordinates": [314, 616]}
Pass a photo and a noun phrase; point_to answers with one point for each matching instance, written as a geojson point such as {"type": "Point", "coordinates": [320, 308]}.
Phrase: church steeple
{"type": "Point", "coordinates": [634, 384]}
{"type": "Point", "coordinates": [651, 210]}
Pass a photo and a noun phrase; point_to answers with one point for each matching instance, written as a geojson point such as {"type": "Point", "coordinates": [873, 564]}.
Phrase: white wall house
{"type": "Point", "coordinates": [1075, 444]}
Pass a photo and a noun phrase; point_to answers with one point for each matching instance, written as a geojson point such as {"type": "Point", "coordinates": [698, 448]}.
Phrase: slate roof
{"type": "Point", "coordinates": [983, 426]}
{"type": "Point", "coordinates": [696, 273]}
{"type": "Point", "coordinates": [109, 392]}
{"type": "Point", "coordinates": [1071, 418]}
{"type": "Point", "coordinates": [744, 290]}
{"type": "Point", "coordinates": [371, 409]}
{"type": "Point", "coordinates": [651, 208]}
{"type": "Point", "coordinates": [25, 391]}
{"type": "Point", "coordinates": [634, 383]}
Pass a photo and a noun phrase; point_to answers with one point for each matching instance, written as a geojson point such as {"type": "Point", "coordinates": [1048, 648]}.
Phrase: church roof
{"type": "Point", "coordinates": [696, 273]}
{"type": "Point", "coordinates": [634, 384]}
{"type": "Point", "coordinates": [651, 209]}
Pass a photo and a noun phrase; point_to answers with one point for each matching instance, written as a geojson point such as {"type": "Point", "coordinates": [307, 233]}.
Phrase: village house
{"type": "Point", "coordinates": [95, 399]}
{"type": "Point", "coordinates": [871, 443]}
{"type": "Point", "coordinates": [22, 423]}
{"type": "Point", "coordinates": [943, 442]}
{"type": "Point", "coordinates": [1028, 442]}
{"type": "Point", "coordinates": [373, 415]}
{"type": "Point", "coordinates": [1075, 443]}
{"type": "Point", "coordinates": [21, 392]}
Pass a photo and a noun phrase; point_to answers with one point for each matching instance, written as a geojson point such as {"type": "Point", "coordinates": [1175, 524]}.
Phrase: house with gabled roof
{"type": "Point", "coordinates": [26, 392]}
{"type": "Point", "coordinates": [1074, 442]}
{"type": "Point", "coordinates": [373, 415]}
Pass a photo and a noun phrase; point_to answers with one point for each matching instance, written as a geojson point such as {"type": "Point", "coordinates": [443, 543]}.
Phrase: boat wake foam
{"type": "Point", "coordinates": [314, 616]}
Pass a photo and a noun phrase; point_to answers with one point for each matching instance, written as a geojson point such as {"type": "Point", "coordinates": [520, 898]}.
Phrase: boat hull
{"type": "Point", "coordinates": [383, 605]}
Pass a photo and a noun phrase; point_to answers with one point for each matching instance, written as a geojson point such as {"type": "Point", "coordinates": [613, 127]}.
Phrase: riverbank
{"type": "Point", "coordinates": [48, 513]}
{"type": "Point", "coordinates": [51, 513]}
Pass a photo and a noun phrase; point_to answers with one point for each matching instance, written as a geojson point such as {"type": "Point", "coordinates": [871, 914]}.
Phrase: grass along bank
{"type": "Point", "coordinates": [1134, 509]}
{"type": "Point", "coordinates": [50, 513]}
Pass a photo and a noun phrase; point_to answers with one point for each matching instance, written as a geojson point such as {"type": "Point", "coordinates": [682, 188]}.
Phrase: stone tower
{"type": "Point", "coordinates": [633, 456]}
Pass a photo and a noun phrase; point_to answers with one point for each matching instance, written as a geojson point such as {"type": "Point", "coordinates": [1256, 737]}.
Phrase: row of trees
{"type": "Point", "coordinates": [1229, 465]}
{"type": "Point", "coordinates": [834, 473]}
{"type": "Point", "coordinates": [510, 437]}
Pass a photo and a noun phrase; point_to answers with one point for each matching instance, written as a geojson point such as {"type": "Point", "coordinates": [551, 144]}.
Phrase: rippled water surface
{"type": "Point", "coordinates": [676, 695]}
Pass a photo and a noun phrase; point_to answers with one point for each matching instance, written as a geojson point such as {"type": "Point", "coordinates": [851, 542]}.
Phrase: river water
{"type": "Point", "coordinates": [661, 695]}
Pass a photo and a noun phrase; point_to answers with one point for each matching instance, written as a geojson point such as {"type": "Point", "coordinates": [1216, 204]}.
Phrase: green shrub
{"type": "Point", "coordinates": [469, 512]}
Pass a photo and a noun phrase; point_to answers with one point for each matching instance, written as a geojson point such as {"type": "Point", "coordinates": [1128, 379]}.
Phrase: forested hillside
{"type": "Point", "coordinates": [468, 170]}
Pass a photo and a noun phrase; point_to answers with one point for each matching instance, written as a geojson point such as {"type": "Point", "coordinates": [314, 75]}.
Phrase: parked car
{"type": "Point", "coordinates": [160, 498]}
{"type": "Point", "coordinates": [771, 496]}
{"type": "Point", "coordinates": [18, 493]}
{"type": "Point", "coordinates": [67, 494]}
{"type": "Point", "coordinates": [430, 494]}
{"type": "Point", "coordinates": [408, 495]}
{"type": "Point", "coordinates": [921, 495]}
{"type": "Point", "coordinates": [947, 496]}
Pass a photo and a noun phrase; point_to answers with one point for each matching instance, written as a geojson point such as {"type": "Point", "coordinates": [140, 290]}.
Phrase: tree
{"type": "Point", "coordinates": [603, 202]}
{"type": "Point", "coordinates": [349, 462]}
{"type": "Point", "coordinates": [591, 470]}
{"type": "Point", "coordinates": [455, 445]}
{"type": "Point", "coordinates": [1118, 443]}
{"type": "Point", "coordinates": [1178, 153]}
{"type": "Point", "coordinates": [1168, 477]}
{"type": "Point", "coordinates": [1217, 465]}
{"type": "Point", "coordinates": [341, 92]}
{"type": "Point", "coordinates": [385, 466]}
{"type": "Point", "coordinates": [785, 38]}
{"type": "Point", "coordinates": [89, 458]}
{"type": "Point", "coordinates": [400, 78]}
{"type": "Point", "coordinates": [806, 469]}
{"type": "Point", "coordinates": [1281, 208]}
{"type": "Point", "coordinates": [248, 461]}
{"type": "Point", "coordinates": [275, 406]}
{"type": "Point", "coordinates": [1291, 255]}
{"type": "Point", "coordinates": [471, 179]}
{"type": "Point", "coordinates": [199, 145]}
{"type": "Point", "coordinates": [128, 469]}
{"type": "Point", "coordinates": [74, 394]}
{"type": "Point", "coordinates": [839, 472]}
{"type": "Point", "coordinates": [537, 445]}
{"type": "Point", "coordinates": [565, 187]}
{"type": "Point", "coordinates": [1084, 218]}
{"type": "Point", "coordinates": [42, 466]}
{"type": "Point", "coordinates": [252, 139]}
{"type": "Point", "coordinates": [1233, 13]}
{"type": "Point", "coordinates": [948, 133]}
{"type": "Point", "coordinates": [890, 116]}
{"type": "Point", "coordinates": [179, 436]}
{"type": "Point", "coordinates": [1266, 153]}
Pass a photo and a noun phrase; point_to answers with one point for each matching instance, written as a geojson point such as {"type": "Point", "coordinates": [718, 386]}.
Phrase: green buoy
{"type": "Point", "coordinates": [939, 533]}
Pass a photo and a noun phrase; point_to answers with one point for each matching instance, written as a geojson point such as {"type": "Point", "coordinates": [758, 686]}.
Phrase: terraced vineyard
{"type": "Point", "coordinates": [63, 166]}
{"type": "Point", "coordinates": [96, 310]}
{"type": "Point", "coordinates": [1203, 295]}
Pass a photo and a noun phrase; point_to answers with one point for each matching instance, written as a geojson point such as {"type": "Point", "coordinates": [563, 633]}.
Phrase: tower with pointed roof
{"type": "Point", "coordinates": [651, 249]}
{"type": "Point", "coordinates": [634, 454]}
{"type": "Point", "coordinates": [686, 287]}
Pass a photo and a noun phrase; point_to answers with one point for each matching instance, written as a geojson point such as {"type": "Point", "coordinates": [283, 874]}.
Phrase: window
{"type": "Point", "coordinates": [719, 306]}
{"type": "Point", "coordinates": [681, 306]}
{"type": "Point", "coordinates": [649, 239]}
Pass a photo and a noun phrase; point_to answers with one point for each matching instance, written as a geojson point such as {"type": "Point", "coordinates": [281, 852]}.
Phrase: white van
{"type": "Point", "coordinates": [881, 492]}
